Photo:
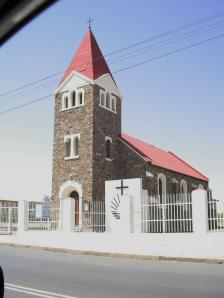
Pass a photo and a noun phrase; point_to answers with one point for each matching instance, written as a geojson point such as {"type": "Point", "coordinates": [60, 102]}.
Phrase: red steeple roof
{"type": "Point", "coordinates": [88, 60]}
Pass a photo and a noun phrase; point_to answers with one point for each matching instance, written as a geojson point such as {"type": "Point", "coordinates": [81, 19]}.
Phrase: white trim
{"type": "Point", "coordinates": [108, 139]}
{"type": "Point", "coordinates": [72, 157]}
{"type": "Point", "coordinates": [77, 74]}
{"type": "Point", "coordinates": [112, 97]}
{"type": "Point", "coordinates": [69, 96]}
{"type": "Point", "coordinates": [108, 159]}
{"type": "Point", "coordinates": [163, 179]}
{"type": "Point", "coordinates": [70, 108]}
{"type": "Point", "coordinates": [174, 180]}
{"type": "Point", "coordinates": [65, 190]}
{"type": "Point", "coordinates": [184, 184]}
{"type": "Point", "coordinates": [107, 109]}
{"type": "Point", "coordinates": [71, 138]}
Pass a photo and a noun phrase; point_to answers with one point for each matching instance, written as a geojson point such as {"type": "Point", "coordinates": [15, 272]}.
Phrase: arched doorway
{"type": "Point", "coordinates": [74, 195]}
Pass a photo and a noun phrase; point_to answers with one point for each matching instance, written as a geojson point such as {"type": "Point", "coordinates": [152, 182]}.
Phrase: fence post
{"type": "Point", "coordinates": [68, 211]}
{"type": "Point", "coordinates": [200, 211]}
{"type": "Point", "coordinates": [22, 216]}
{"type": "Point", "coordinates": [9, 220]}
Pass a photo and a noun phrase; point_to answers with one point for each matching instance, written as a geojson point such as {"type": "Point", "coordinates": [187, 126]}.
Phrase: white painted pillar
{"type": "Point", "coordinates": [68, 211]}
{"type": "Point", "coordinates": [200, 211]}
{"type": "Point", "coordinates": [126, 214]}
{"type": "Point", "coordinates": [22, 216]}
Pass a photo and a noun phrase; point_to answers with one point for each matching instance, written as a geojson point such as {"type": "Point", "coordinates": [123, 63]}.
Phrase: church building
{"type": "Point", "coordinates": [89, 145]}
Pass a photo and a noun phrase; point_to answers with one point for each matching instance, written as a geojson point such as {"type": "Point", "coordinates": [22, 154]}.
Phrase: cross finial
{"type": "Point", "coordinates": [89, 22]}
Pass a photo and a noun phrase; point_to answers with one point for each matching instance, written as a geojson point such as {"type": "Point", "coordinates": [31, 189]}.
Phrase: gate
{"type": "Point", "coordinates": [8, 218]}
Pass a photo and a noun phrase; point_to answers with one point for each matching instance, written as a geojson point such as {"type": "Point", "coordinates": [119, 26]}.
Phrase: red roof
{"type": "Point", "coordinates": [88, 59]}
{"type": "Point", "coordinates": [161, 158]}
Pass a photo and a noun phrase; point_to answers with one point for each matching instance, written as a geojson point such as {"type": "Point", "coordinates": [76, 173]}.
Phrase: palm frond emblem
{"type": "Point", "coordinates": [114, 207]}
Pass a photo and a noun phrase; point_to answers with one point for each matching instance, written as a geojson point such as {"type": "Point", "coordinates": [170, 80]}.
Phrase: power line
{"type": "Point", "coordinates": [171, 52]}
{"type": "Point", "coordinates": [126, 56]}
{"type": "Point", "coordinates": [172, 31]}
{"type": "Point", "coordinates": [25, 104]}
{"type": "Point", "coordinates": [129, 67]}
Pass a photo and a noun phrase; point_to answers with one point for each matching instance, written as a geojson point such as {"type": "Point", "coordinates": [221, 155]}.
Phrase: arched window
{"type": "Point", "coordinates": [76, 146]}
{"type": "Point", "coordinates": [161, 187]}
{"type": "Point", "coordinates": [102, 99]}
{"type": "Point", "coordinates": [66, 102]}
{"type": "Point", "coordinates": [80, 98]}
{"type": "Point", "coordinates": [183, 187]}
{"type": "Point", "coordinates": [108, 141]}
{"type": "Point", "coordinates": [68, 147]}
{"type": "Point", "coordinates": [73, 99]}
{"type": "Point", "coordinates": [108, 101]}
{"type": "Point", "coordinates": [114, 104]}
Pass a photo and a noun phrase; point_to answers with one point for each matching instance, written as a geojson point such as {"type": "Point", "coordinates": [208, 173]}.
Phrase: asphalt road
{"type": "Point", "coordinates": [30, 271]}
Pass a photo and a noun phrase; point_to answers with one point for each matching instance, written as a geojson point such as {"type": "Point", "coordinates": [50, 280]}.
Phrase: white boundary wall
{"type": "Point", "coordinates": [210, 245]}
{"type": "Point", "coordinates": [200, 244]}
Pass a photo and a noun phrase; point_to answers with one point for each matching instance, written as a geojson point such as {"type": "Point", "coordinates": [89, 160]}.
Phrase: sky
{"type": "Point", "coordinates": [175, 103]}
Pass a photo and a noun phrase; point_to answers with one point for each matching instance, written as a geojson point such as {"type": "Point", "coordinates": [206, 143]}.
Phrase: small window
{"type": "Point", "coordinates": [108, 100]}
{"type": "Point", "coordinates": [73, 99]}
{"type": "Point", "coordinates": [76, 146]}
{"type": "Point", "coordinates": [66, 102]}
{"type": "Point", "coordinates": [80, 98]}
{"type": "Point", "coordinates": [108, 149]}
{"type": "Point", "coordinates": [72, 146]}
{"type": "Point", "coordinates": [102, 99]}
{"type": "Point", "coordinates": [68, 147]}
{"type": "Point", "coordinates": [113, 104]}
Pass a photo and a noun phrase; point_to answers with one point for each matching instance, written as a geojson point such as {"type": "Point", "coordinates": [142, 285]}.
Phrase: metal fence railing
{"type": "Point", "coordinates": [167, 214]}
{"type": "Point", "coordinates": [92, 217]}
{"type": "Point", "coordinates": [215, 212]}
{"type": "Point", "coordinates": [8, 218]}
{"type": "Point", "coordinates": [42, 217]}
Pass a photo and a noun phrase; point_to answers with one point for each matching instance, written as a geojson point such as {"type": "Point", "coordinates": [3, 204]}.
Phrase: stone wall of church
{"type": "Point", "coordinates": [72, 121]}
{"type": "Point", "coordinates": [132, 165]}
{"type": "Point", "coordinates": [105, 123]}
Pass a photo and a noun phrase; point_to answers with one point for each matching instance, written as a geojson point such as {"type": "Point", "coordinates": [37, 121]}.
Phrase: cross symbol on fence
{"type": "Point", "coordinates": [122, 187]}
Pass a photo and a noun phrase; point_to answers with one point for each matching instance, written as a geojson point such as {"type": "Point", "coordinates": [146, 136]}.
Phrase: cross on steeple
{"type": "Point", "coordinates": [89, 22]}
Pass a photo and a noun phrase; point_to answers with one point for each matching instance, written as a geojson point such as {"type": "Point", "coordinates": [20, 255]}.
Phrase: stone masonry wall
{"type": "Point", "coordinates": [75, 120]}
{"type": "Point", "coordinates": [105, 123]}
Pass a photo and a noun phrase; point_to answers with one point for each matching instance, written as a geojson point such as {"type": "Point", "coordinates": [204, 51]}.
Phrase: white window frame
{"type": "Point", "coordinates": [163, 178]}
{"type": "Point", "coordinates": [108, 139]}
{"type": "Point", "coordinates": [105, 98]}
{"type": "Point", "coordinates": [69, 95]}
{"type": "Point", "coordinates": [183, 183]}
{"type": "Point", "coordinates": [72, 137]}
{"type": "Point", "coordinates": [113, 99]}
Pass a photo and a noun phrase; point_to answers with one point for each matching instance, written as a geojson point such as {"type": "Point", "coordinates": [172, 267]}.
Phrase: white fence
{"type": "Point", "coordinates": [8, 218]}
{"type": "Point", "coordinates": [42, 217]}
{"type": "Point", "coordinates": [92, 219]}
{"type": "Point", "coordinates": [167, 214]}
{"type": "Point", "coordinates": [215, 212]}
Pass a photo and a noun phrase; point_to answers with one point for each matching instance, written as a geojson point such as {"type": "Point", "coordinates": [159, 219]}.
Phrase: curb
{"type": "Point", "coordinates": [119, 255]}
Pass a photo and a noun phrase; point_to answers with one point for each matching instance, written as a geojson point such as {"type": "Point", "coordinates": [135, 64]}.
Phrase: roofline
{"type": "Point", "coordinates": [150, 161]}
{"type": "Point", "coordinates": [205, 178]}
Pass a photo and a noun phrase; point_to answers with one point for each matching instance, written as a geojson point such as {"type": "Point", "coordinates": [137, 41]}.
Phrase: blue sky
{"type": "Point", "coordinates": [175, 103]}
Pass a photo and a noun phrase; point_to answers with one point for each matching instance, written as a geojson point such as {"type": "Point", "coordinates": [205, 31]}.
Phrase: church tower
{"type": "Point", "coordinates": [87, 126]}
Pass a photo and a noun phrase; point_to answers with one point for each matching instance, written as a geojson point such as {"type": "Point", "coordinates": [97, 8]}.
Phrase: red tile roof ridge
{"type": "Point", "coordinates": [188, 165]}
